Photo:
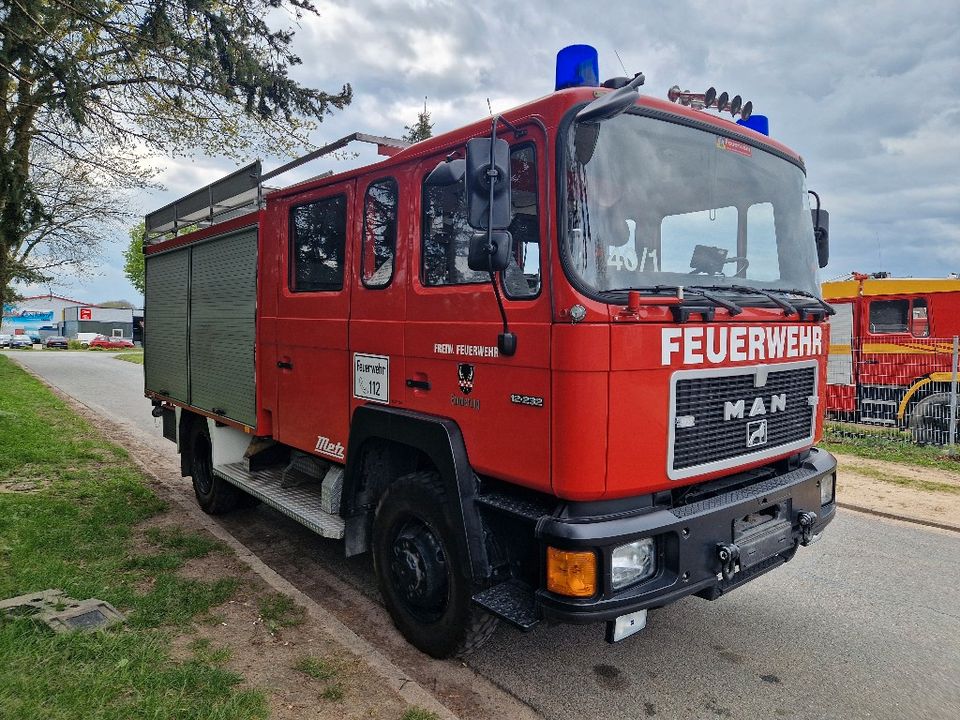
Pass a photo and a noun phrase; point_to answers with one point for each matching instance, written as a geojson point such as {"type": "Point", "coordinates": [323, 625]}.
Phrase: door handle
{"type": "Point", "coordinates": [418, 384]}
{"type": "Point", "coordinates": [285, 365]}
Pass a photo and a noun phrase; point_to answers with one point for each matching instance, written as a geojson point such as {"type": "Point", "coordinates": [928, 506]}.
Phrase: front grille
{"type": "Point", "coordinates": [715, 441]}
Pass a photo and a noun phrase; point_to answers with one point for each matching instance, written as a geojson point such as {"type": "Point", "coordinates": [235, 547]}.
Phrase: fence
{"type": "Point", "coordinates": [899, 388]}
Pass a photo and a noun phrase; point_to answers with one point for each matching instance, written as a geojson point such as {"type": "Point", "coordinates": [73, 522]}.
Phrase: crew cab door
{"type": "Point", "coordinates": [378, 304]}
{"type": "Point", "coordinates": [501, 404]}
{"type": "Point", "coordinates": [313, 306]}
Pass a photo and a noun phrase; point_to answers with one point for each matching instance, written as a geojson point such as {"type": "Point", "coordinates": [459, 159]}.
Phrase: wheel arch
{"type": "Point", "coordinates": [411, 441]}
{"type": "Point", "coordinates": [921, 388]}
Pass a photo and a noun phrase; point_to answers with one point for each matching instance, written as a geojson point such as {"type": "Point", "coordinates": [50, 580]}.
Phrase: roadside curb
{"type": "Point", "coordinates": [892, 516]}
{"type": "Point", "coordinates": [404, 685]}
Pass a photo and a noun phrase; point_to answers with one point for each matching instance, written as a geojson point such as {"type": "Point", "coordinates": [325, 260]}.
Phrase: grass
{"type": "Point", "coordinates": [419, 714]}
{"type": "Point", "coordinates": [75, 530]}
{"type": "Point", "coordinates": [317, 668]}
{"type": "Point", "coordinates": [907, 482]}
{"type": "Point", "coordinates": [131, 357]}
{"type": "Point", "coordinates": [278, 611]}
{"type": "Point", "coordinates": [882, 444]}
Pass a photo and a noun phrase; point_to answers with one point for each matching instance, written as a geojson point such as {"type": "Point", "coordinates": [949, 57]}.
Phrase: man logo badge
{"type": "Point", "coordinates": [756, 433]}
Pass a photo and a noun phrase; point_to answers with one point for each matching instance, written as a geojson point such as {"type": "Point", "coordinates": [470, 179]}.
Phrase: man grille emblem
{"type": "Point", "coordinates": [756, 433]}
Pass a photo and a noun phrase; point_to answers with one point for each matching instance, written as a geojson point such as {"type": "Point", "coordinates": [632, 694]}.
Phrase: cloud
{"type": "Point", "coordinates": [868, 93]}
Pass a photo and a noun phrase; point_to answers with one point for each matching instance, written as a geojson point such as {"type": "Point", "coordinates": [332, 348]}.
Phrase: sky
{"type": "Point", "coordinates": [867, 92]}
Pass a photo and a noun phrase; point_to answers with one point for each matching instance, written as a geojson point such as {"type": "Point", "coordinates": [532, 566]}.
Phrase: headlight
{"type": "Point", "coordinates": [632, 562]}
{"type": "Point", "coordinates": [827, 489]}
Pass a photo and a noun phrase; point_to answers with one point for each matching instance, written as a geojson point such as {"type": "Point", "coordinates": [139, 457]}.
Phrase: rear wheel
{"type": "Point", "coordinates": [214, 494]}
{"type": "Point", "coordinates": [423, 571]}
{"type": "Point", "coordinates": [930, 420]}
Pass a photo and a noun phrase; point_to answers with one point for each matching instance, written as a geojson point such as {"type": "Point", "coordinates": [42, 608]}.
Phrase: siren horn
{"type": "Point", "coordinates": [701, 101]}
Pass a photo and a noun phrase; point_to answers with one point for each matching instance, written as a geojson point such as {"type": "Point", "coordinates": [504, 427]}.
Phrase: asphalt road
{"type": "Point", "coordinates": [864, 624]}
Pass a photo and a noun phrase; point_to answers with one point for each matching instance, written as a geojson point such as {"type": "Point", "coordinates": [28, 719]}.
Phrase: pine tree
{"type": "Point", "coordinates": [421, 129]}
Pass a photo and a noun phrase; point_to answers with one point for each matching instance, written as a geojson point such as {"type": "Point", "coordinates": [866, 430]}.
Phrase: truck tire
{"type": "Point", "coordinates": [214, 494]}
{"type": "Point", "coordinates": [423, 572]}
{"type": "Point", "coordinates": [930, 420]}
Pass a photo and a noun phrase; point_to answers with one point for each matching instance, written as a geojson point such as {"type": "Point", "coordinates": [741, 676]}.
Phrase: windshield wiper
{"type": "Point", "coordinates": [679, 290]}
{"type": "Point", "coordinates": [827, 307]}
{"type": "Point", "coordinates": [701, 290]}
{"type": "Point", "coordinates": [788, 308]}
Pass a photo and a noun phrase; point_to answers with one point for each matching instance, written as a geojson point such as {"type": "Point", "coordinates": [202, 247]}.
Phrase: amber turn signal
{"type": "Point", "coordinates": [572, 573]}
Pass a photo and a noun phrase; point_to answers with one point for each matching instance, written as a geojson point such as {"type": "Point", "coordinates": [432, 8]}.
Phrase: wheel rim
{"type": "Point", "coordinates": [202, 472]}
{"type": "Point", "coordinates": [418, 569]}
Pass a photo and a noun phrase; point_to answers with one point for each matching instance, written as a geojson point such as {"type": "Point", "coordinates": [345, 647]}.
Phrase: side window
{"type": "Point", "coordinates": [521, 279]}
{"type": "Point", "coordinates": [446, 234]}
{"type": "Point", "coordinates": [919, 319]}
{"type": "Point", "coordinates": [889, 316]}
{"type": "Point", "coordinates": [379, 233]}
{"type": "Point", "coordinates": [446, 237]}
{"type": "Point", "coordinates": [318, 233]}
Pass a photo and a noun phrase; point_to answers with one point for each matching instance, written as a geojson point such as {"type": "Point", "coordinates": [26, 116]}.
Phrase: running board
{"type": "Point", "coordinates": [302, 503]}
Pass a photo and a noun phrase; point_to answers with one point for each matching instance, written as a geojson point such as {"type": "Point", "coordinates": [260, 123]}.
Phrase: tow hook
{"type": "Point", "coordinates": [729, 556]}
{"type": "Point", "coordinates": [806, 520]}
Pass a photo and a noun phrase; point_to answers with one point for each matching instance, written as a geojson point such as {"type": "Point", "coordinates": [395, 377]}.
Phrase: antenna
{"type": "Point", "coordinates": [489, 107]}
{"type": "Point", "coordinates": [622, 66]}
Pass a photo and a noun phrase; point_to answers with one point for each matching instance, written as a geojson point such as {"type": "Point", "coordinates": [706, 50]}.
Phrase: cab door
{"type": "Point", "coordinates": [379, 300]}
{"type": "Point", "coordinates": [454, 368]}
{"type": "Point", "coordinates": [313, 307]}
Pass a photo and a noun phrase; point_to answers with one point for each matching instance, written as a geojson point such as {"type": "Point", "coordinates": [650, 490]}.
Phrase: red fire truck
{"type": "Point", "coordinates": [891, 351]}
{"type": "Point", "coordinates": [566, 363]}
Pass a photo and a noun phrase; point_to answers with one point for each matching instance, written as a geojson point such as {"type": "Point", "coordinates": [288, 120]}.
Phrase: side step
{"type": "Point", "coordinates": [303, 503]}
{"type": "Point", "coordinates": [512, 601]}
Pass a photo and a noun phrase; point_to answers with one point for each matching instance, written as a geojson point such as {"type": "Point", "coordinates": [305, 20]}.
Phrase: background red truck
{"type": "Point", "coordinates": [891, 351]}
{"type": "Point", "coordinates": [567, 363]}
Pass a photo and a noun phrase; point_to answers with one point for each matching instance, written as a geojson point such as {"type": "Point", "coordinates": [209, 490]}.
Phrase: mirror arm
{"type": "Point", "coordinates": [811, 192]}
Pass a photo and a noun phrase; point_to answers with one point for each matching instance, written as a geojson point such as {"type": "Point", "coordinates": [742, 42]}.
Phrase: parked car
{"type": "Point", "coordinates": [21, 341]}
{"type": "Point", "coordinates": [35, 338]}
{"type": "Point", "coordinates": [56, 341]}
{"type": "Point", "coordinates": [5, 340]}
{"type": "Point", "coordinates": [110, 343]}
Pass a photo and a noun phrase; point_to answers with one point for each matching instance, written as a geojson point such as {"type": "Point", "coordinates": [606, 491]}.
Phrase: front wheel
{"type": "Point", "coordinates": [930, 420]}
{"type": "Point", "coordinates": [423, 571]}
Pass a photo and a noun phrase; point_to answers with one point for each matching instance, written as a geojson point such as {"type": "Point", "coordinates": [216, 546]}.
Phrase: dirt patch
{"type": "Point", "coordinates": [923, 494]}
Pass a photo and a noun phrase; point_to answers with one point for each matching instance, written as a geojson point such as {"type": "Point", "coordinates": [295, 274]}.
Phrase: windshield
{"type": "Point", "coordinates": [658, 203]}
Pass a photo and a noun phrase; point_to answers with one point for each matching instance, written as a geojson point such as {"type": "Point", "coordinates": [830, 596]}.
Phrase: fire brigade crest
{"type": "Point", "coordinates": [465, 375]}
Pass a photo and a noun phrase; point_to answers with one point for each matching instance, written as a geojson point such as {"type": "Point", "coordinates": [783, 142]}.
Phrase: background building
{"type": "Point", "coordinates": [112, 322]}
{"type": "Point", "coordinates": [39, 315]}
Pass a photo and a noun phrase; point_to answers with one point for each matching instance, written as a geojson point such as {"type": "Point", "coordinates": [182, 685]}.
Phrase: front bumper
{"type": "Point", "coordinates": [688, 538]}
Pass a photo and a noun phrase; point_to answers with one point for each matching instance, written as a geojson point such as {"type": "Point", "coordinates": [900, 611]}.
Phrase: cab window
{"type": "Point", "coordinates": [379, 233]}
{"type": "Point", "coordinates": [919, 320]}
{"type": "Point", "coordinates": [446, 233]}
{"type": "Point", "coordinates": [889, 316]}
{"type": "Point", "coordinates": [318, 232]}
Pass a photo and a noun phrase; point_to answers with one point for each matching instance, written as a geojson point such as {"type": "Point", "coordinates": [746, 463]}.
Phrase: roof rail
{"type": "Point", "coordinates": [241, 191]}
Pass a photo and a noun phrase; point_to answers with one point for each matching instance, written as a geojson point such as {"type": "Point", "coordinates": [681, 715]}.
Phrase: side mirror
{"type": "Point", "coordinates": [447, 172]}
{"type": "Point", "coordinates": [821, 233]}
{"type": "Point", "coordinates": [480, 174]}
{"type": "Point", "coordinates": [494, 255]}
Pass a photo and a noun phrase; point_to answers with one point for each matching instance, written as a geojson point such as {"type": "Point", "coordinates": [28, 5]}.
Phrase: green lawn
{"type": "Point", "coordinates": [885, 444]}
{"type": "Point", "coordinates": [132, 357]}
{"type": "Point", "coordinates": [69, 503]}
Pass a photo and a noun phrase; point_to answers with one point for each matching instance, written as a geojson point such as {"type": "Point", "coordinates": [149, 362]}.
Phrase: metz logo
{"type": "Point", "coordinates": [328, 448]}
{"type": "Point", "coordinates": [716, 345]}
